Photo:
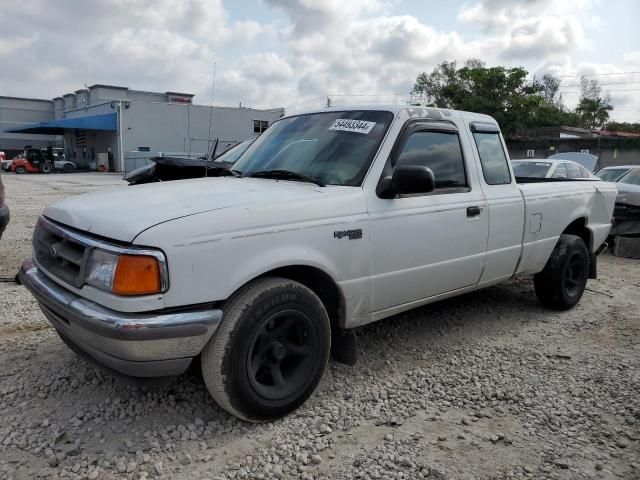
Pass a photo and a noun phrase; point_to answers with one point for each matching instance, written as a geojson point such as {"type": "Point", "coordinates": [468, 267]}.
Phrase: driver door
{"type": "Point", "coordinates": [425, 245]}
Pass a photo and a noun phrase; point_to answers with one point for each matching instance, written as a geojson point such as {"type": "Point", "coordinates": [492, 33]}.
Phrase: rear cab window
{"type": "Point", "coordinates": [495, 166]}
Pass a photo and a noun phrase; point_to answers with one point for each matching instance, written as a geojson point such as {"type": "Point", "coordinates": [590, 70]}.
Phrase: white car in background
{"type": "Point", "coordinates": [63, 165]}
{"type": "Point", "coordinates": [619, 173]}
{"type": "Point", "coordinates": [627, 177]}
{"type": "Point", "coordinates": [550, 168]}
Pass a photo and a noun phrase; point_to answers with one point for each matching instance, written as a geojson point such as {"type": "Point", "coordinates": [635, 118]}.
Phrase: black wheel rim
{"type": "Point", "coordinates": [574, 275]}
{"type": "Point", "coordinates": [282, 355]}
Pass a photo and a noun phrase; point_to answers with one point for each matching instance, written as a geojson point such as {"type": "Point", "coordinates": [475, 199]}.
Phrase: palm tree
{"type": "Point", "coordinates": [594, 112]}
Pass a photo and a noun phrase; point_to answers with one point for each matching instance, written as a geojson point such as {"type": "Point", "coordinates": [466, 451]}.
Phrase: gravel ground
{"type": "Point", "coordinates": [485, 386]}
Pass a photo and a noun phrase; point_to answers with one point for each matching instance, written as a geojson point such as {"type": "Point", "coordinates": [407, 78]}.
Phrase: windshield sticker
{"type": "Point", "coordinates": [357, 126]}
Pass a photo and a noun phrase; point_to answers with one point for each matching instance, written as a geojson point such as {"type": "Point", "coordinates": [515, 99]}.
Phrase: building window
{"type": "Point", "coordinates": [260, 126]}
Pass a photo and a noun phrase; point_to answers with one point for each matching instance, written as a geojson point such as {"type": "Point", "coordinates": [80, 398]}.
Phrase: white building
{"type": "Point", "coordinates": [106, 124]}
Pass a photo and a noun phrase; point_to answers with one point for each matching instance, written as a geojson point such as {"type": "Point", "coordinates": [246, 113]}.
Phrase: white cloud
{"type": "Point", "coordinates": [316, 48]}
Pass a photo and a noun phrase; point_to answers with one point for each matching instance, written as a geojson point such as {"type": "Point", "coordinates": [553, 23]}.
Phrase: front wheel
{"type": "Point", "coordinates": [67, 168]}
{"type": "Point", "coordinates": [46, 168]}
{"type": "Point", "coordinates": [562, 282]}
{"type": "Point", "coordinates": [270, 351]}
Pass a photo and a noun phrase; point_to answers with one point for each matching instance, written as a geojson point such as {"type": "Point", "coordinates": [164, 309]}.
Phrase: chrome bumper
{"type": "Point", "coordinates": [153, 344]}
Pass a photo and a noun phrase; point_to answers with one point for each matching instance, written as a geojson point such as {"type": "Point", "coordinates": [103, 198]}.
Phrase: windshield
{"type": "Point", "coordinates": [632, 177]}
{"type": "Point", "coordinates": [336, 148]}
{"type": "Point", "coordinates": [611, 174]}
{"type": "Point", "coordinates": [234, 152]}
{"type": "Point", "coordinates": [530, 169]}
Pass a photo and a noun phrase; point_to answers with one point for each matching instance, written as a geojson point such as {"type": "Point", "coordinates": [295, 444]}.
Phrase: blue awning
{"type": "Point", "coordinates": [107, 122]}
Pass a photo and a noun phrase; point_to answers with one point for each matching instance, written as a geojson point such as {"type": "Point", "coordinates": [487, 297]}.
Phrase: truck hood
{"type": "Point", "coordinates": [124, 213]}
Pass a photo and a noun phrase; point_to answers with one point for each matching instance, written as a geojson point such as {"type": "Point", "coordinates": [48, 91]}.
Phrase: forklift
{"type": "Point", "coordinates": [31, 160]}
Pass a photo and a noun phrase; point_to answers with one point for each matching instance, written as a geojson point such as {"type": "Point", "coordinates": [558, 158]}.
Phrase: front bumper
{"type": "Point", "coordinates": [4, 218]}
{"type": "Point", "coordinates": [152, 344]}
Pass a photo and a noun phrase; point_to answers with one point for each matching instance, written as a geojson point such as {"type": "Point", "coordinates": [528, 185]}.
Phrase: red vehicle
{"type": "Point", "coordinates": [31, 161]}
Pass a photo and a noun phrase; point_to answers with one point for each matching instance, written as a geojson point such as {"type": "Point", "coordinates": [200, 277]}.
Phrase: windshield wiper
{"type": "Point", "coordinates": [286, 175]}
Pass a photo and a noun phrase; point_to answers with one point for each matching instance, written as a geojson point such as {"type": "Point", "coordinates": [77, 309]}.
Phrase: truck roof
{"type": "Point", "coordinates": [411, 111]}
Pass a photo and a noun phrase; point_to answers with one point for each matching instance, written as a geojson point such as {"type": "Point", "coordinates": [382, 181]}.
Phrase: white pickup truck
{"type": "Point", "coordinates": [331, 220]}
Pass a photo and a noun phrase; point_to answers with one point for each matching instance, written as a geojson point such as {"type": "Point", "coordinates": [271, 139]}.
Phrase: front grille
{"type": "Point", "coordinates": [58, 254]}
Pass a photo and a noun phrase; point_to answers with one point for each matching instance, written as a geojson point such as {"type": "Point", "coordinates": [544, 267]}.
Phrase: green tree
{"type": "Point", "coordinates": [593, 108]}
{"type": "Point", "coordinates": [503, 93]}
{"type": "Point", "coordinates": [623, 127]}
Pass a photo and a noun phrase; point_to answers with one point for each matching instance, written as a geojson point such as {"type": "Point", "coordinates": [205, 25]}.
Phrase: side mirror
{"type": "Point", "coordinates": [407, 180]}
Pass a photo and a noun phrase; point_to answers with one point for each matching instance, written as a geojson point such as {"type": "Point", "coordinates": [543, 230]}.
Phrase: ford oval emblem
{"type": "Point", "coordinates": [53, 253]}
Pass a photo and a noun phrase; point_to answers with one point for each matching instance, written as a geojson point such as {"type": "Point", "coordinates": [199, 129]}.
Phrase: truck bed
{"type": "Point", "coordinates": [586, 200]}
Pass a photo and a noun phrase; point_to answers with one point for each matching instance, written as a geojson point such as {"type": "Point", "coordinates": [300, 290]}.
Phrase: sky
{"type": "Point", "coordinates": [295, 53]}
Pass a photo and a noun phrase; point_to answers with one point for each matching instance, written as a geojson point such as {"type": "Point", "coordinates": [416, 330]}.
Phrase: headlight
{"type": "Point", "coordinates": [124, 274]}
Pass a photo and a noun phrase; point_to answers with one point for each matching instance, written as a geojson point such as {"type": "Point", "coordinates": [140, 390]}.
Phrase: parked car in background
{"type": "Point", "coordinates": [62, 165]}
{"type": "Point", "coordinates": [549, 168]}
{"type": "Point", "coordinates": [330, 220]}
{"type": "Point", "coordinates": [163, 169]}
{"type": "Point", "coordinates": [4, 209]}
{"type": "Point", "coordinates": [5, 163]}
{"type": "Point", "coordinates": [630, 181]}
{"type": "Point", "coordinates": [627, 175]}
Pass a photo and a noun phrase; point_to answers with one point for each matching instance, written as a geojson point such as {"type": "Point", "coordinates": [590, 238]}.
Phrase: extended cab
{"type": "Point", "coordinates": [330, 220]}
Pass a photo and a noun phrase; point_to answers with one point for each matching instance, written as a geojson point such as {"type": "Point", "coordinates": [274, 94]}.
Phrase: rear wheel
{"type": "Point", "coordinates": [67, 168]}
{"type": "Point", "coordinates": [20, 170]}
{"type": "Point", "coordinates": [562, 282]}
{"type": "Point", "coordinates": [269, 352]}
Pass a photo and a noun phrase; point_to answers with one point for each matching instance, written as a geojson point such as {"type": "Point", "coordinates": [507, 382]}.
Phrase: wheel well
{"type": "Point", "coordinates": [320, 283]}
{"type": "Point", "coordinates": [579, 227]}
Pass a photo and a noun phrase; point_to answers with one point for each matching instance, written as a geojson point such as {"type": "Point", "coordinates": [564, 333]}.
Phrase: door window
{"type": "Point", "coordinates": [495, 167]}
{"type": "Point", "coordinates": [439, 151]}
{"type": "Point", "coordinates": [573, 170]}
{"type": "Point", "coordinates": [560, 171]}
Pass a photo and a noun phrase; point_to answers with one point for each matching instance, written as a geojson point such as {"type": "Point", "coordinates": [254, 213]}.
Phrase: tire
{"type": "Point", "coordinates": [67, 168]}
{"type": "Point", "coordinates": [46, 168]}
{"type": "Point", "coordinates": [562, 282]}
{"type": "Point", "coordinates": [271, 325]}
{"type": "Point", "coordinates": [21, 170]}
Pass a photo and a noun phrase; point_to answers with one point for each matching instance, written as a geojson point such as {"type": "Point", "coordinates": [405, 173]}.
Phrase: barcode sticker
{"type": "Point", "coordinates": [357, 126]}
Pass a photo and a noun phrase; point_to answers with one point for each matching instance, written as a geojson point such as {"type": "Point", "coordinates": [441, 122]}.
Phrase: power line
{"type": "Point", "coordinates": [627, 90]}
{"type": "Point", "coordinates": [600, 84]}
{"type": "Point", "coordinates": [594, 74]}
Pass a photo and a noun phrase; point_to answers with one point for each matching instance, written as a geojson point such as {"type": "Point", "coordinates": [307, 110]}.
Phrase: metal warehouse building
{"type": "Point", "coordinates": [117, 127]}
{"type": "Point", "coordinates": [15, 112]}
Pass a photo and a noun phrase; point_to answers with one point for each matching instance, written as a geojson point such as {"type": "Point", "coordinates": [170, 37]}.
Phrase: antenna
{"type": "Point", "coordinates": [213, 87]}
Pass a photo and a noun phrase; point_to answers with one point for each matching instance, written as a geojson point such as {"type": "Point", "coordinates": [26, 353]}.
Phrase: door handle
{"type": "Point", "coordinates": [473, 211]}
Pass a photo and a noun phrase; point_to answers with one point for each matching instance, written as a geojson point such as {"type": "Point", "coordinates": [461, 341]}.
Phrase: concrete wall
{"type": "Point", "coordinates": [16, 112]}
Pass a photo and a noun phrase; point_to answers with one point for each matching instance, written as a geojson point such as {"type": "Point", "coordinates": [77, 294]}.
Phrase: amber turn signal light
{"type": "Point", "coordinates": [137, 275]}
